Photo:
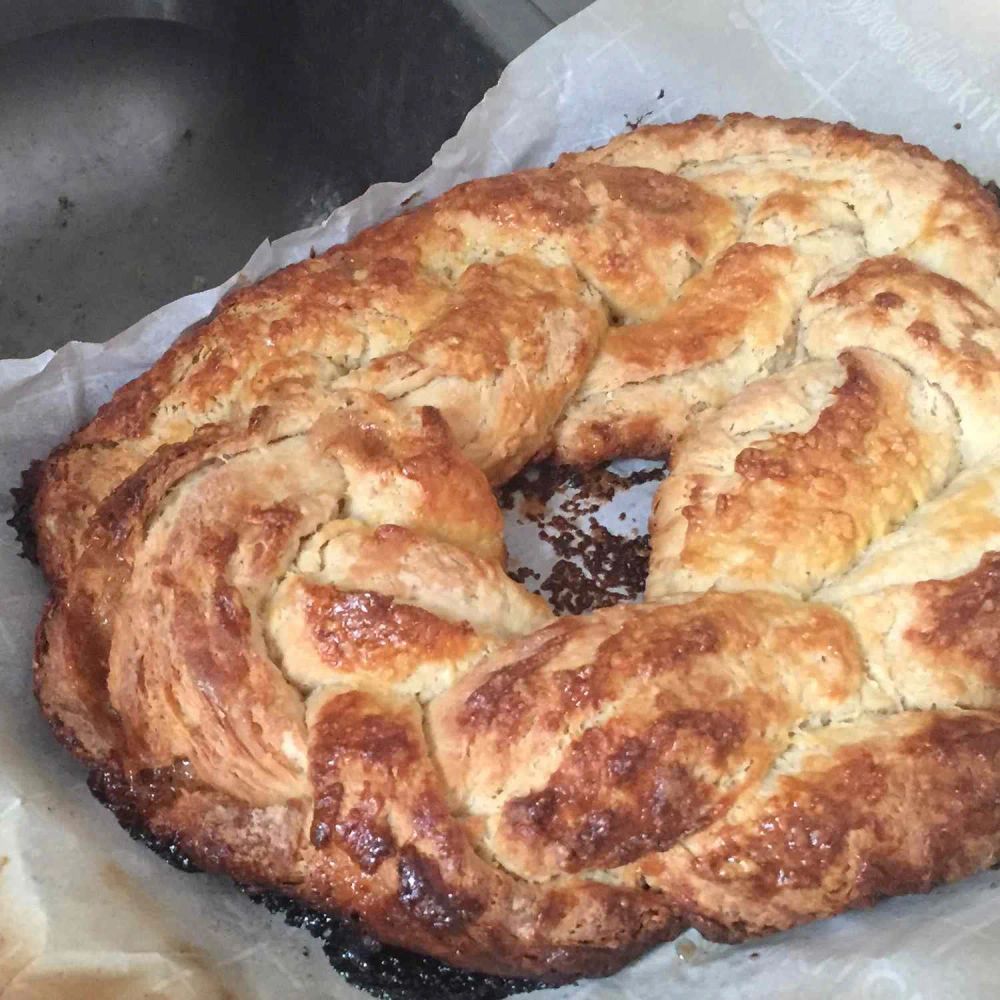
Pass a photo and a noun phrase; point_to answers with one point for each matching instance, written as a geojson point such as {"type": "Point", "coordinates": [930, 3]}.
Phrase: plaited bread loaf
{"type": "Point", "coordinates": [279, 615]}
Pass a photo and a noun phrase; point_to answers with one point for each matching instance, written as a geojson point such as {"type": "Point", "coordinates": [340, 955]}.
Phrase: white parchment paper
{"type": "Point", "coordinates": [86, 913]}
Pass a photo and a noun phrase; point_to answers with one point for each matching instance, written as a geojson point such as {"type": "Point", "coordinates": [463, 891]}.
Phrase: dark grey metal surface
{"type": "Point", "coordinates": [143, 157]}
{"type": "Point", "coordinates": [25, 18]}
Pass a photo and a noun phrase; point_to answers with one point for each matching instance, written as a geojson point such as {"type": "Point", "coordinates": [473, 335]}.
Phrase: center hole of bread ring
{"type": "Point", "coordinates": [580, 537]}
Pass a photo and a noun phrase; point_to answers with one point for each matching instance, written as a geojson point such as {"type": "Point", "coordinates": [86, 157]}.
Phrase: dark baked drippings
{"type": "Point", "coordinates": [594, 567]}
{"type": "Point", "coordinates": [20, 520]}
{"type": "Point", "coordinates": [386, 972]}
{"type": "Point", "coordinates": [111, 790]}
{"type": "Point", "coordinates": [539, 484]}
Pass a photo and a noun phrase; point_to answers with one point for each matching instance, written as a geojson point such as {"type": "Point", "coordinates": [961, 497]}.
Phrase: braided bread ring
{"type": "Point", "coordinates": [279, 613]}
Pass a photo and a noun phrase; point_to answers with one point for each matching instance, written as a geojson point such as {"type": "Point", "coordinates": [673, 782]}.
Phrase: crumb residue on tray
{"type": "Point", "coordinates": [591, 564]}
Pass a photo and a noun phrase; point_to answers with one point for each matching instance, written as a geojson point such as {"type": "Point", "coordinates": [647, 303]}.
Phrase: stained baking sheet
{"type": "Point", "coordinates": [85, 912]}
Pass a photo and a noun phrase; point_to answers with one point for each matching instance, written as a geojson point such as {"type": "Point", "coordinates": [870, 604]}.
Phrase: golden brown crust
{"type": "Point", "coordinates": [282, 634]}
{"type": "Point", "coordinates": [735, 315]}
{"type": "Point", "coordinates": [784, 486]}
{"type": "Point", "coordinates": [922, 600]}
{"type": "Point", "coordinates": [934, 326]}
{"type": "Point", "coordinates": [374, 635]}
{"type": "Point", "coordinates": [597, 740]}
{"type": "Point", "coordinates": [859, 812]}
{"type": "Point", "coordinates": [959, 616]}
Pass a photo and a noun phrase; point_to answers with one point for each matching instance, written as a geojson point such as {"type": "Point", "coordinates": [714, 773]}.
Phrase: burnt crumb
{"type": "Point", "coordinates": [20, 519]}
{"type": "Point", "coordinates": [187, 135]}
{"type": "Point", "coordinates": [754, 955]}
{"type": "Point", "coordinates": [660, 95]}
{"type": "Point", "coordinates": [632, 124]}
{"type": "Point", "coordinates": [957, 125]}
{"type": "Point", "coordinates": [523, 574]}
{"type": "Point", "coordinates": [594, 567]}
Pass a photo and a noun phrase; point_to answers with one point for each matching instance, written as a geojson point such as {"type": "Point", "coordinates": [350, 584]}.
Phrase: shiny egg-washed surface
{"type": "Point", "coordinates": [280, 616]}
